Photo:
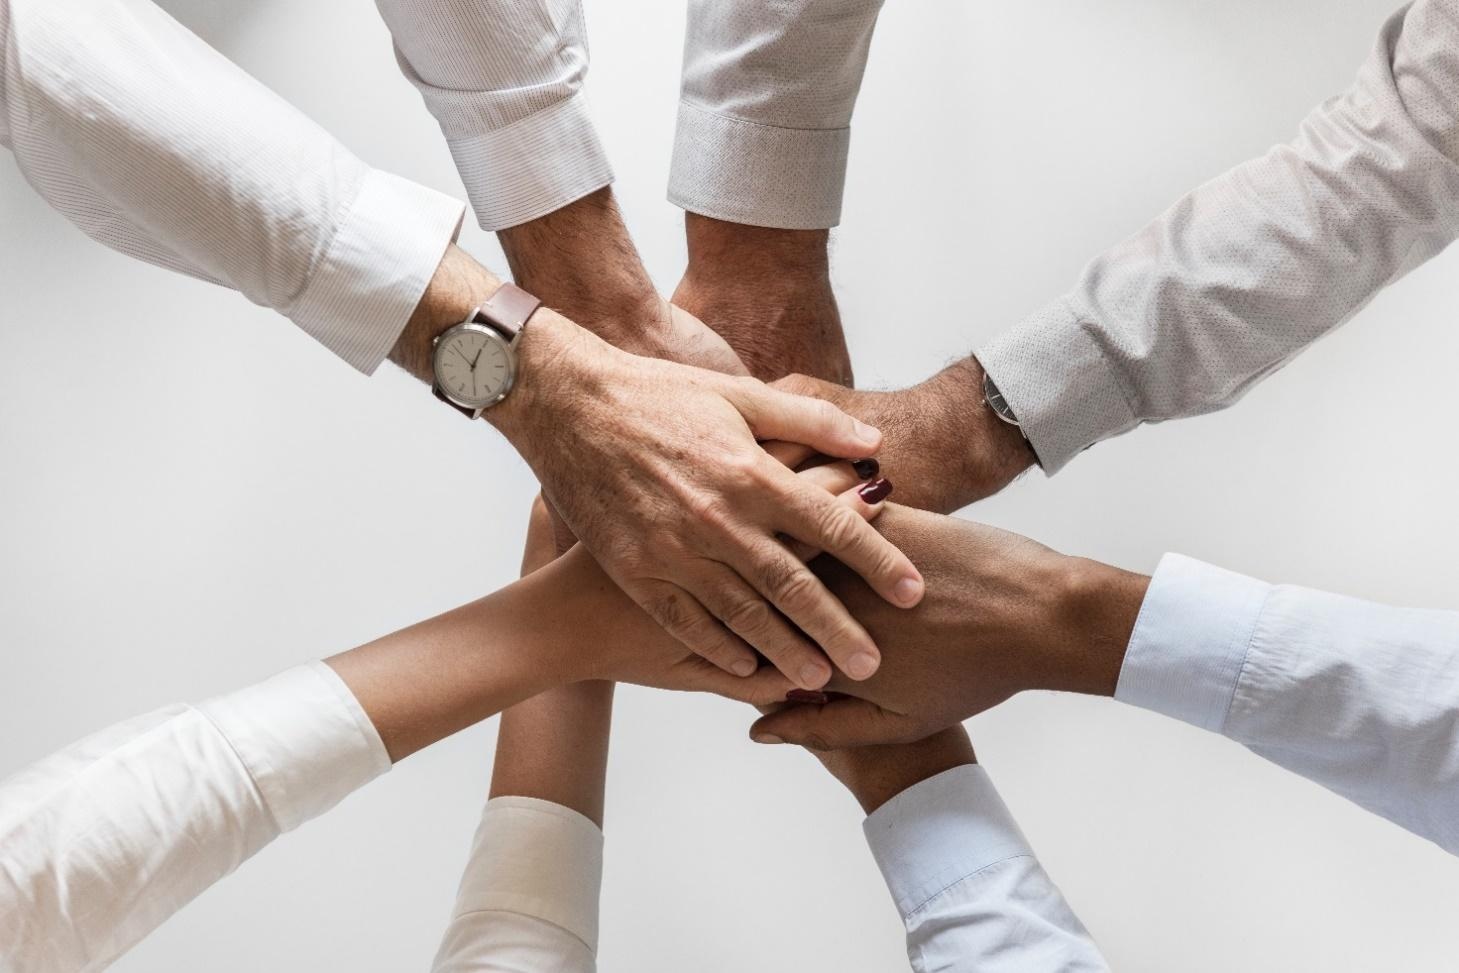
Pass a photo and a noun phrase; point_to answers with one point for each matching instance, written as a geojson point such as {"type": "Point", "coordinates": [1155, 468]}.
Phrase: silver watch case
{"type": "Point", "coordinates": [473, 409]}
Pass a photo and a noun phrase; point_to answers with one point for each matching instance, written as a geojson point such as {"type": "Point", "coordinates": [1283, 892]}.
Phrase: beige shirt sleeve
{"type": "Point", "coordinates": [1246, 271]}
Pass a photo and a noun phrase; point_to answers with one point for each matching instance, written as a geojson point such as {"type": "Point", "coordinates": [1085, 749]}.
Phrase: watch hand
{"type": "Point", "coordinates": [469, 362]}
{"type": "Point", "coordinates": [476, 359]}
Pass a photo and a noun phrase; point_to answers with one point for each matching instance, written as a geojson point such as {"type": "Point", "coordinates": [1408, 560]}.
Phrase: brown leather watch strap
{"type": "Point", "coordinates": [508, 309]}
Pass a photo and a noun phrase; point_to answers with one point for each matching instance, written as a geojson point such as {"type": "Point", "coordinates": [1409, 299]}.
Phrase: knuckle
{"type": "Point", "coordinates": [668, 610]}
{"type": "Point", "coordinates": [840, 527]}
{"type": "Point", "coordinates": [792, 587]}
{"type": "Point", "coordinates": [815, 740]}
{"type": "Point", "coordinates": [748, 617]}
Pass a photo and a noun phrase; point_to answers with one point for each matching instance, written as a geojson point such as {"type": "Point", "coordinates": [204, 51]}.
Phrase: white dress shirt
{"type": "Point", "coordinates": [156, 145]}
{"type": "Point", "coordinates": [1359, 697]}
{"type": "Point", "coordinates": [105, 840]}
{"type": "Point", "coordinates": [1243, 273]}
{"type": "Point", "coordinates": [970, 891]}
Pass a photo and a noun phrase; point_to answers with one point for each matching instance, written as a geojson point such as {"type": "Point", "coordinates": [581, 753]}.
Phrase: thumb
{"type": "Point", "coordinates": [846, 722]}
{"type": "Point", "coordinates": [772, 414]}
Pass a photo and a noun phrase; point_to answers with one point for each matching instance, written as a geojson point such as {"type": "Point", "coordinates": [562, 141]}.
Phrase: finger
{"type": "Point", "coordinates": [847, 722]}
{"type": "Point", "coordinates": [772, 414]}
{"type": "Point", "coordinates": [679, 614]}
{"type": "Point", "coordinates": [788, 454]}
{"type": "Point", "coordinates": [764, 687]}
{"type": "Point", "coordinates": [837, 530]}
{"type": "Point", "coordinates": [540, 548]}
{"type": "Point", "coordinates": [801, 597]}
{"type": "Point", "coordinates": [867, 499]}
{"type": "Point", "coordinates": [745, 612]}
{"type": "Point", "coordinates": [831, 477]}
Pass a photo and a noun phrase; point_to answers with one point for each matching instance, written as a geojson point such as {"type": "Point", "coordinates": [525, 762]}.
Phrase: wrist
{"type": "Point", "coordinates": [875, 775]}
{"type": "Point", "coordinates": [1097, 607]}
{"type": "Point", "coordinates": [991, 452]}
{"type": "Point", "coordinates": [754, 251]}
{"type": "Point", "coordinates": [556, 360]}
{"type": "Point", "coordinates": [457, 288]}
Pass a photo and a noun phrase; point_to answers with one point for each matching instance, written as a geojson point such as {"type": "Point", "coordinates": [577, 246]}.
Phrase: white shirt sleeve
{"type": "Point", "coordinates": [102, 842]}
{"type": "Point", "coordinates": [156, 145]}
{"type": "Point", "coordinates": [969, 889]}
{"type": "Point", "coordinates": [504, 78]}
{"type": "Point", "coordinates": [529, 897]}
{"type": "Point", "coordinates": [765, 109]}
{"type": "Point", "coordinates": [1356, 696]}
{"type": "Point", "coordinates": [1246, 271]}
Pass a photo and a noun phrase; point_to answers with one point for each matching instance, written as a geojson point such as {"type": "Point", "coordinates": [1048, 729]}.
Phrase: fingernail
{"type": "Point", "coordinates": [744, 667]}
{"type": "Point", "coordinates": [807, 696]}
{"type": "Point", "coordinates": [812, 675]}
{"type": "Point", "coordinates": [876, 491]}
{"type": "Point", "coordinates": [867, 434]}
{"type": "Point", "coordinates": [861, 665]}
{"type": "Point", "coordinates": [866, 468]}
{"type": "Point", "coordinates": [766, 738]}
{"type": "Point", "coordinates": [908, 590]}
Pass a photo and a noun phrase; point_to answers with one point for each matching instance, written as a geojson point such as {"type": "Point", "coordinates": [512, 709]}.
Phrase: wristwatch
{"type": "Point", "coordinates": [999, 404]}
{"type": "Point", "coordinates": [475, 362]}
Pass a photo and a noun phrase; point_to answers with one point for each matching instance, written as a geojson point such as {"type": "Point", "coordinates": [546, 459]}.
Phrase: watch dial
{"type": "Point", "coordinates": [473, 367]}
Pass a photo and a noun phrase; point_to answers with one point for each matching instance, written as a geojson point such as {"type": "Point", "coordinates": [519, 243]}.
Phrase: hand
{"type": "Point", "coordinates": [944, 446]}
{"type": "Point", "coordinates": [768, 292]}
{"type": "Point", "coordinates": [628, 646]}
{"type": "Point", "coordinates": [1002, 614]}
{"type": "Point", "coordinates": [656, 468]}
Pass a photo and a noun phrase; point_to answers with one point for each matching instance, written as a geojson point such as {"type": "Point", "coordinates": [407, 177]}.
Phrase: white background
{"type": "Point", "coordinates": [193, 495]}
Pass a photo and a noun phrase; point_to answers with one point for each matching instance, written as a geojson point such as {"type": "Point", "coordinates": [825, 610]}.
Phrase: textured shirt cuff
{"type": "Point", "coordinates": [534, 166]}
{"type": "Point", "coordinates": [538, 859]}
{"type": "Point", "coordinates": [1190, 641]}
{"type": "Point", "coordinates": [937, 833]}
{"type": "Point", "coordinates": [760, 175]}
{"type": "Point", "coordinates": [305, 739]}
{"type": "Point", "coordinates": [1058, 383]}
{"type": "Point", "coordinates": [369, 281]}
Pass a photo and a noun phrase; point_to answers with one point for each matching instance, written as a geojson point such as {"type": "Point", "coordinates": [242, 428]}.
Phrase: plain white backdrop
{"type": "Point", "coordinates": [193, 495]}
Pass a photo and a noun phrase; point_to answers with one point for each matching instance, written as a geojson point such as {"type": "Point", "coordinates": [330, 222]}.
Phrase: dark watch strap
{"type": "Point", "coordinates": [508, 310]}
{"type": "Point", "coordinates": [464, 410]}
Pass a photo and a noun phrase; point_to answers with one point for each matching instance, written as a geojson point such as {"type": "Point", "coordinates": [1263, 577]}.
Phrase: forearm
{"type": "Point", "coordinates": [876, 774]}
{"type": "Point", "coordinates": [1248, 270]}
{"type": "Point", "coordinates": [554, 747]}
{"type": "Point", "coordinates": [768, 293]}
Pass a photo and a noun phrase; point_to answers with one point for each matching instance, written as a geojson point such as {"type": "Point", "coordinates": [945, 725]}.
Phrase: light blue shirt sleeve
{"type": "Point", "coordinates": [968, 887]}
{"type": "Point", "coordinates": [1359, 697]}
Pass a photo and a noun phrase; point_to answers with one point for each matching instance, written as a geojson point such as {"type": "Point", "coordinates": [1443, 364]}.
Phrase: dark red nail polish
{"type": "Point", "coordinates": [876, 491]}
{"type": "Point", "coordinates": [867, 469]}
{"type": "Point", "coordinates": [807, 696]}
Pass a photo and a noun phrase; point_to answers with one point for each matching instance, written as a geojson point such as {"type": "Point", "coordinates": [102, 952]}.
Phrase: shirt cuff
{"type": "Point", "coordinates": [538, 859]}
{"type": "Point", "coordinates": [533, 166]}
{"type": "Point", "coordinates": [760, 175]}
{"type": "Point", "coordinates": [304, 739]}
{"type": "Point", "coordinates": [370, 279]}
{"type": "Point", "coordinates": [1190, 641]}
{"type": "Point", "coordinates": [1058, 383]}
{"type": "Point", "coordinates": [938, 833]}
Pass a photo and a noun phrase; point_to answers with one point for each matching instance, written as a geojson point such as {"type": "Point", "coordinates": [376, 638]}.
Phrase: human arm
{"type": "Point", "coordinates": [1353, 695]}
{"type": "Point", "coordinates": [111, 109]}
{"type": "Point", "coordinates": [1249, 269]}
{"type": "Point", "coordinates": [965, 880]}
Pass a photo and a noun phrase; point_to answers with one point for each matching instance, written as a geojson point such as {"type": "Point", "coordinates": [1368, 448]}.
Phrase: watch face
{"type": "Point", "coordinates": [474, 366]}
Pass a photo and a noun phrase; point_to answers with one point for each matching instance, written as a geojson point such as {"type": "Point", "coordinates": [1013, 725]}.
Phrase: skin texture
{"type": "Point", "coordinates": [656, 467]}
{"type": "Point", "coordinates": [1003, 615]}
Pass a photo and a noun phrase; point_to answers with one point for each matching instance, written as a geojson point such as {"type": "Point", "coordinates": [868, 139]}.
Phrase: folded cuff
{"type": "Point", "coordinates": [304, 738]}
{"type": "Point", "coordinates": [534, 166]}
{"type": "Point", "coordinates": [1058, 383]}
{"type": "Point", "coordinates": [939, 832]}
{"type": "Point", "coordinates": [760, 175]}
{"type": "Point", "coordinates": [369, 281]}
{"type": "Point", "coordinates": [1190, 642]}
{"type": "Point", "coordinates": [538, 859]}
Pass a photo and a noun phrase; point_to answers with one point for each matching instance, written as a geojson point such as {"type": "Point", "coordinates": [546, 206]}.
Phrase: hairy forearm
{"type": "Point", "coordinates": [554, 747]}
{"type": "Point", "coordinates": [458, 287]}
{"type": "Point", "coordinates": [768, 293]}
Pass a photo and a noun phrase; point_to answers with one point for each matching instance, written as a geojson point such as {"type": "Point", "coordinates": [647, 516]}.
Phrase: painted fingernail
{"type": "Point", "coordinates": [807, 696]}
{"type": "Point", "coordinates": [865, 433]}
{"type": "Point", "coordinates": [861, 665]}
{"type": "Point", "coordinates": [744, 667]}
{"type": "Point", "coordinates": [867, 469]}
{"type": "Point", "coordinates": [813, 675]}
{"type": "Point", "coordinates": [766, 738]}
{"type": "Point", "coordinates": [876, 491]}
{"type": "Point", "coordinates": [908, 590]}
